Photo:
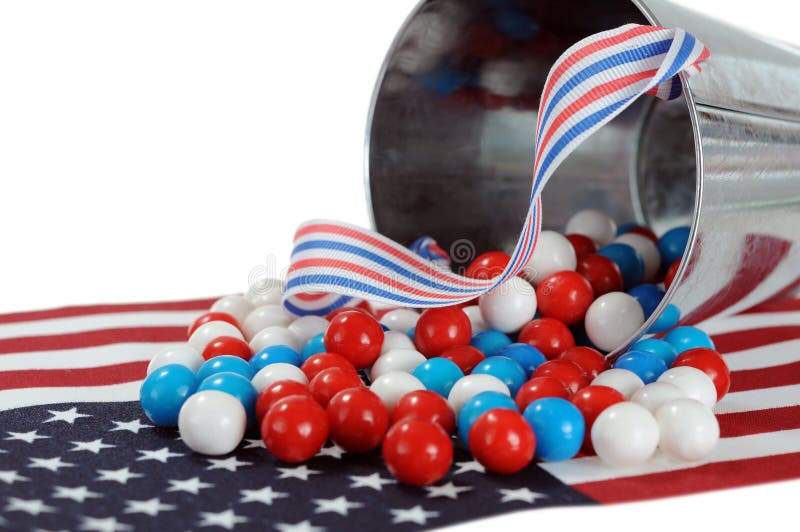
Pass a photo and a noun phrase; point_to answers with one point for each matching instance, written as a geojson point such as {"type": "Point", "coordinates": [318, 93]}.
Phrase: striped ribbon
{"type": "Point", "coordinates": [592, 82]}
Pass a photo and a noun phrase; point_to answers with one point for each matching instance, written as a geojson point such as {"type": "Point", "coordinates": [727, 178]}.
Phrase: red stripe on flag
{"type": "Point", "coordinates": [791, 304]}
{"type": "Point", "coordinates": [68, 312]}
{"type": "Point", "coordinates": [731, 342]}
{"type": "Point", "coordinates": [771, 377]}
{"type": "Point", "coordinates": [91, 339]}
{"type": "Point", "coordinates": [62, 378]}
{"type": "Point", "coordinates": [759, 421]}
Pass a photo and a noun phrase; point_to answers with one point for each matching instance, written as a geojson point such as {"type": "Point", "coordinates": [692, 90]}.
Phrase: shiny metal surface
{"type": "Point", "coordinates": [451, 136]}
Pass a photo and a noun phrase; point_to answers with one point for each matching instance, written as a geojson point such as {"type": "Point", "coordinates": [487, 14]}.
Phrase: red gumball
{"type": "Point", "coordinates": [277, 391]}
{"type": "Point", "coordinates": [441, 328]}
{"type": "Point", "coordinates": [567, 372]}
{"type": "Point", "coordinates": [358, 420]}
{"type": "Point", "coordinates": [548, 335]}
{"type": "Point", "coordinates": [672, 271]}
{"type": "Point", "coordinates": [295, 429]}
{"type": "Point", "coordinates": [211, 316]}
{"type": "Point", "coordinates": [709, 362]}
{"type": "Point", "coordinates": [465, 357]}
{"type": "Point", "coordinates": [539, 387]}
{"type": "Point", "coordinates": [331, 381]}
{"type": "Point", "coordinates": [589, 360]}
{"type": "Point", "coordinates": [644, 231]}
{"type": "Point", "coordinates": [335, 312]}
{"type": "Point", "coordinates": [426, 406]}
{"type": "Point", "coordinates": [417, 452]}
{"type": "Point", "coordinates": [322, 361]}
{"type": "Point", "coordinates": [355, 335]}
{"type": "Point", "coordinates": [488, 265]}
{"type": "Point", "coordinates": [591, 401]}
{"type": "Point", "coordinates": [502, 441]}
{"type": "Point", "coordinates": [565, 296]}
{"type": "Point", "coordinates": [227, 345]}
{"type": "Point", "coordinates": [602, 273]}
{"type": "Point", "coordinates": [582, 244]}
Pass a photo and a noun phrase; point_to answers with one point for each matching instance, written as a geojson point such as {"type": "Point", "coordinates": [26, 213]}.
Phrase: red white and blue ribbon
{"type": "Point", "coordinates": [589, 85]}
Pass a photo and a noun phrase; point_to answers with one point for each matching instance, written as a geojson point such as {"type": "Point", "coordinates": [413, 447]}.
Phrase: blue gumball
{"type": "Point", "coordinates": [559, 428]}
{"type": "Point", "coordinates": [685, 338]}
{"type": "Point", "coordinates": [515, 24]}
{"type": "Point", "coordinates": [647, 366]}
{"type": "Point", "coordinates": [649, 297]}
{"type": "Point", "coordinates": [275, 353]}
{"type": "Point", "coordinates": [477, 406]}
{"type": "Point", "coordinates": [624, 228]}
{"type": "Point", "coordinates": [659, 348]}
{"type": "Point", "coordinates": [314, 346]}
{"type": "Point", "coordinates": [668, 319]}
{"type": "Point", "coordinates": [628, 259]}
{"type": "Point", "coordinates": [438, 375]}
{"type": "Point", "coordinates": [164, 391]}
{"type": "Point", "coordinates": [504, 369]}
{"type": "Point", "coordinates": [236, 385]}
{"type": "Point", "coordinates": [527, 356]}
{"type": "Point", "coordinates": [490, 343]}
{"type": "Point", "coordinates": [410, 333]}
{"type": "Point", "coordinates": [673, 244]}
{"type": "Point", "coordinates": [224, 364]}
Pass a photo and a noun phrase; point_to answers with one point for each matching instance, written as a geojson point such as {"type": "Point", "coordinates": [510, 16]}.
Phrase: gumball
{"type": "Point", "coordinates": [476, 406]}
{"type": "Point", "coordinates": [490, 343]}
{"type": "Point", "coordinates": [625, 435]}
{"type": "Point", "coordinates": [208, 317]}
{"type": "Point", "coordinates": [164, 391]}
{"type": "Point", "coordinates": [274, 336]}
{"type": "Point", "coordinates": [341, 310]}
{"type": "Point", "coordinates": [212, 422]}
{"type": "Point", "coordinates": [629, 261]}
{"type": "Point", "coordinates": [648, 251]}
{"type": "Point", "coordinates": [438, 375]}
{"type": "Point", "coordinates": [515, 24]}
{"type": "Point", "coordinates": [502, 441]}
{"type": "Point", "coordinates": [488, 265]}
{"type": "Point", "coordinates": [207, 332]}
{"type": "Point", "coordinates": [591, 401]}
{"type": "Point", "coordinates": [235, 305]}
{"type": "Point", "coordinates": [358, 420]}
{"type": "Point", "coordinates": [509, 306]}
{"type": "Point", "coordinates": [182, 354]}
{"type": "Point", "coordinates": [660, 348]}
{"type": "Point", "coordinates": [405, 360]}
{"type": "Point", "coordinates": [595, 224]}
{"type": "Point", "coordinates": [224, 364]}
{"type": "Point", "coordinates": [236, 385]}
{"type": "Point", "coordinates": [322, 361]}
{"type": "Point", "coordinates": [356, 336]}
{"type": "Point", "coordinates": [331, 381]}
{"type": "Point", "coordinates": [470, 386]}
{"type": "Point", "coordinates": [315, 345]}
{"type": "Point", "coordinates": [307, 327]}
{"type": "Point", "coordinates": [473, 312]}
{"type": "Point", "coordinates": [392, 386]}
{"type": "Point", "coordinates": [265, 292]}
{"type": "Point", "coordinates": [275, 392]}
{"type": "Point", "coordinates": [465, 357]}
{"type": "Point", "coordinates": [295, 429]}
{"type": "Point", "coordinates": [655, 394]}
{"type": "Point", "coordinates": [709, 362]}
{"type": "Point", "coordinates": [646, 366]}
{"type": "Point", "coordinates": [227, 345]}
{"type": "Point", "coordinates": [668, 319]}
{"type": "Point", "coordinates": [441, 328]}
{"type": "Point", "coordinates": [625, 382]}
{"type": "Point", "coordinates": [266, 316]}
{"type": "Point", "coordinates": [505, 369]}
{"type": "Point", "coordinates": [694, 382]}
{"type": "Point", "coordinates": [644, 231]}
{"type": "Point", "coordinates": [396, 340]}
{"type": "Point", "coordinates": [564, 296]}
{"type": "Point", "coordinates": [280, 371]}
{"type": "Point", "coordinates": [539, 387]}
{"type": "Point", "coordinates": [591, 361]}
{"type": "Point", "coordinates": [582, 244]}
{"type": "Point", "coordinates": [548, 335]}
{"type": "Point", "coordinates": [275, 353]}
{"type": "Point", "coordinates": [648, 296]}
{"type": "Point", "coordinates": [624, 228]}
{"type": "Point", "coordinates": [566, 371]}
{"type": "Point", "coordinates": [426, 406]}
{"type": "Point", "coordinates": [602, 273]}
{"type": "Point", "coordinates": [672, 271]}
{"type": "Point", "coordinates": [612, 319]}
{"type": "Point", "coordinates": [558, 426]}
{"type": "Point", "coordinates": [410, 333]}
{"type": "Point", "coordinates": [685, 338]}
{"type": "Point", "coordinates": [688, 430]}
{"type": "Point", "coordinates": [527, 356]}
{"type": "Point", "coordinates": [417, 452]}
{"type": "Point", "coordinates": [553, 253]}
{"type": "Point", "coordinates": [401, 319]}
{"type": "Point", "coordinates": [672, 244]}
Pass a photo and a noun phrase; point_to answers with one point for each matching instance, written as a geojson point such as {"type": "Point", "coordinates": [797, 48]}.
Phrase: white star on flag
{"type": "Point", "coordinates": [448, 490]}
{"type": "Point", "coordinates": [161, 455]}
{"type": "Point", "coordinates": [339, 505]}
{"type": "Point", "coordinates": [472, 465]}
{"type": "Point", "coordinates": [417, 515]}
{"type": "Point", "coordinates": [29, 506]}
{"type": "Point", "coordinates": [77, 494]}
{"type": "Point", "coordinates": [229, 464]}
{"type": "Point", "coordinates": [192, 485]}
{"type": "Point", "coordinates": [226, 519]}
{"type": "Point", "coordinates": [118, 475]}
{"type": "Point", "coordinates": [151, 507]}
{"type": "Point", "coordinates": [27, 437]}
{"type": "Point", "coordinates": [9, 477]}
{"type": "Point", "coordinates": [374, 481]}
{"type": "Point", "coordinates": [133, 426]}
{"type": "Point", "coordinates": [254, 444]}
{"type": "Point", "coordinates": [302, 526]}
{"type": "Point", "coordinates": [52, 464]}
{"type": "Point", "coordinates": [300, 473]}
{"type": "Point", "coordinates": [265, 495]}
{"type": "Point", "coordinates": [105, 524]}
{"type": "Point", "coordinates": [521, 494]}
{"type": "Point", "coordinates": [67, 416]}
{"type": "Point", "coordinates": [94, 446]}
{"type": "Point", "coordinates": [334, 451]}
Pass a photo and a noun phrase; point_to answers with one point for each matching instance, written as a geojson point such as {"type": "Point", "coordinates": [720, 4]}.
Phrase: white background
{"type": "Point", "coordinates": [163, 149]}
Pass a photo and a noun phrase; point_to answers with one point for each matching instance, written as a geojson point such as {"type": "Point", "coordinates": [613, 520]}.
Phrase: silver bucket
{"type": "Point", "coordinates": [450, 143]}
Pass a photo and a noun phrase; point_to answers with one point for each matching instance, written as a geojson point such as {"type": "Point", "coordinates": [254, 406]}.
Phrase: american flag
{"type": "Point", "coordinates": [77, 453]}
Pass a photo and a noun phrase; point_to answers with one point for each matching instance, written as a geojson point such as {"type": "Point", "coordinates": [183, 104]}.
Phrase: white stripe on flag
{"type": "Point", "coordinates": [745, 322]}
{"type": "Point", "coordinates": [763, 399]}
{"type": "Point", "coordinates": [128, 391]}
{"type": "Point", "coordinates": [84, 357]}
{"type": "Point", "coordinates": [764, 356]}
{"type": "Point", "coordinates": [93, 322]}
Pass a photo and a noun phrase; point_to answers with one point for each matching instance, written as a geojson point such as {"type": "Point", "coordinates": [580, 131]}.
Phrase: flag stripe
{"type": "Point", "coordinates": [85, 357]}
{"type": "Point", "coordinates": [754, 379]}
{"type": "Point", "coordinates": [749, 339]}
{"type": "Point", "coordinates": [97, 322]}
{"type": "Point", "coordinates": [765, 356]}
{"type": "Point", "coordinates": [751, 400]}
{"type": "Point", "coordinates": [66, 312]}
{"type": "Point", "coordinates": [92, 338]}
{"type": "Point", "coordinates": [73, 377]}
{"type": "Point", "coordinates": [128, 391]}
{"type": "Point", "coordinates": [759, 421]}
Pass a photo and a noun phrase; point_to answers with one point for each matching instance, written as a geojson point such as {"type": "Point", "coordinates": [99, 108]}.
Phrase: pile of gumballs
{"type": "Point", "coordinates": [518, 375]}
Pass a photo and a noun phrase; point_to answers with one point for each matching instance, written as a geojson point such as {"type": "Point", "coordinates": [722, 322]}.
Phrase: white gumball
{"type": "Point", "coordinates": [649, 252]}
{"type": "Point", "coordinates": [553, 253]}
{"type": "Point", "coordinates": [396, 340]}
{"type": "Point", "coordinates": [479, 325]}
{"type": "Point", "coordinates": [509, 306]}
{"type": "Point", "coordinates": [696, 384]}
{"type": "Point", "coordinates": [207, 332]}
{"type": "Point", "coordinates": [392, 386]}
{"type": "Point", "coordinates": [279, 371]}
{"type": "Point", "coordinates": [625, 435]}
{"type": "Point", "coordinates": [401, 319]}
{"type": "Point", "coordinates": [266, 292]}
{"type": "Point", "coordinates": [655, 394]}
{"type": "Point", "coordinates": [471, 385]}
{"type": "Point", "coordinates": [307, 327]}
{"type": "Point", "coordinates": [274, 336]}
{"type": "Point", "coordinates": [183, 354]}
{"type": "Point", "coordinates": [625, 382]}
{"type": "Point", "coordinates": [595, 224]}
{"type": "Point", "coordinates": [263, 317]}
{"type": "Point", "coordinates": [396, 360]}
{"type": "Point", "coordinates": [212, 422]}
{"type": "Point", "coordinates": [689, 430]}
{"type": "Point", "coordinates": [612, 319]}
{"type": "Point", "coordinates": [235, 305]}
